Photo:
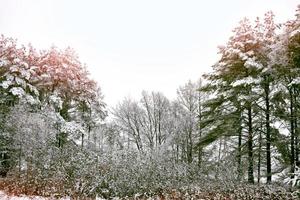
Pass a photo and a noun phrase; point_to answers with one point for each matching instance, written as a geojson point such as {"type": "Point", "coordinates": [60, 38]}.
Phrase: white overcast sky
{"type": "Point", "coordinates": [135, 45]}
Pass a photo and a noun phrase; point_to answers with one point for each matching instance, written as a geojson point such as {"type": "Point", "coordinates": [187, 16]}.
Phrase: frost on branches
{"type": "Point", "coordinates": [42, 95]}
{"type": "Point", "coordinates": [232, 135]}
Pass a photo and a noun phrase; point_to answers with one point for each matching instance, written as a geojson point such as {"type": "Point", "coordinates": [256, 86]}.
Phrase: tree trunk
{"type": "Point", "coordinates": [177, 152]}
{"type": "Point", "coordinates": [199, 156]}
{"type": "Point", "coordinates": [250, 147]}
{"type": "Point", "coordinates": [239, 155]}
{"type": "Point", "coordinates": [259, 159]}
{"type": "Point", "coordinates": [268, 131]}
{"type": "Point", "coordinates": [199, 126]}
{"type": "Point", "coordinates": [292, 133]}
{"type": "Point", "coordinates": [190, 147]}
{"type": "Point", "coordinates": [296, 129]}
{"type": "Point", "coordinates": [82, 137]}
{"type": "Point", "coordinates": [20, 159]}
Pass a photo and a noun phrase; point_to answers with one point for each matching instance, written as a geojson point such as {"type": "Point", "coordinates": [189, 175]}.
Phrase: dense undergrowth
{"type": "Point", "coordinates": [131, 176]}
{"type": "Point", "coordinates": [211, 190]}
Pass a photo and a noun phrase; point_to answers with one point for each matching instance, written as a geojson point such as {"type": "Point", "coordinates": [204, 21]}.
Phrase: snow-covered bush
{"type": "Point", "coordinates": [127, 173]}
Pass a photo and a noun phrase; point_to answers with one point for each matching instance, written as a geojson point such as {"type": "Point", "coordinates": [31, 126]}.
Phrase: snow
{"type": "Point", "coordinates": [56, 100]}
{"type": "Point", "coordinates": [9, 77]}
{"type": "Point", "coordinates": [72, 128]}
{"type": "Point", "coordinates": [33, 89]}
{"type": "Point", "coordinates": [3, 62]}
{"type": "Point", "coordinates": [6, 84]}
{"type": "Point", "coordinates": [4, 196]}
{"type": "Point", "coordinates": [245, 81]}
{"type": "Point", "coordinates": [17, 91]}
{"type": "Point", "coordinates": [14, 68]}
{"type": "Point", "coordinates": [252, 63]}
{"type": "Point", "coordinates": [25, 74]}
{"type": "Point", "coordinates": [17, 60]}
{"type": "Point", "coordinates": [295, 81]}
{"type": "Point", "coordinates": [31, 100]}
{"type": "Point", "coordinates": [243, 56]}
{"type": "Point", "coordinates": [20, 82]}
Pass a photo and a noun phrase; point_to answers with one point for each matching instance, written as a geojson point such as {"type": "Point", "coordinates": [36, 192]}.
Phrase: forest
{"type": "Point", "coordinates": [233, 134]}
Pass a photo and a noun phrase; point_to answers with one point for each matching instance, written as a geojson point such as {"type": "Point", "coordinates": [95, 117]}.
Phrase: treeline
{"type": "Point", "coordinates": [238, 124]}
{"type": "Point", "coordinates": [245, 114]}
{"type": "Point", "coordinates": [255, 89]}
{"type": "Point", "coordinates": [49, 111]}
{"type": "Point", "coordinates": [156, 124]}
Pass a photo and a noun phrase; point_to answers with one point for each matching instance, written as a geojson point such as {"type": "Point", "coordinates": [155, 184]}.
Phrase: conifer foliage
{"type": "Point", "coordinates": [235, 129]}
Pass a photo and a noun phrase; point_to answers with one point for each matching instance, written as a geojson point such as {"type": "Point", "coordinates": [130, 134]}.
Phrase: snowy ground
{"type": "Point", "coordinates": [4, 196]}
